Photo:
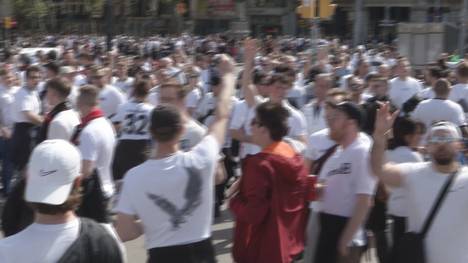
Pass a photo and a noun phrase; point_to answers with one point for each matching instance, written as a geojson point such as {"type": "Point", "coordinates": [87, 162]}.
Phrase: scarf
{"type": "Point", "coordinates": [94, 114]}
{"type": "Point", "coordinates": [42, 136]}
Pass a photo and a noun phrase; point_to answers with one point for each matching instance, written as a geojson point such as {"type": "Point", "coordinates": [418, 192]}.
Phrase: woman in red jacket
{"type": "Point", "coordinates": [270, 208]}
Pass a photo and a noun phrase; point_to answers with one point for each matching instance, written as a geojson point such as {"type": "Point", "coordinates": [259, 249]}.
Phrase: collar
{"type": "Point", "coordinates": [280, 148]}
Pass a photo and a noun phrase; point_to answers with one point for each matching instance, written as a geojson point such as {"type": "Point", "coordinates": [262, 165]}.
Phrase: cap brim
{"type": "Point", "coordinates": [39, 192]}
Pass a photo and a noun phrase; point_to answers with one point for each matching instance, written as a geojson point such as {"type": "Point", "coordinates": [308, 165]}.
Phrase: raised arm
{"type": "Point", "coordinates": [389, 174]}
{"type": "Point", "coordinates": [224, 101]}
{"type": "Point", "coordinates": [250, 91]}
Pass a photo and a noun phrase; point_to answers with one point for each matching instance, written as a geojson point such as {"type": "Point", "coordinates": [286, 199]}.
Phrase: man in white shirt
{"type": "Point", "coordinates": [7, 96]}
{"type": "Point", "coordinates": [314, 111]}
{"type": "Point", "coordinates": [122, 81]}
{"type": "Point", "coordinates": [421, 184]}
{"type": "Point", "coordinates": [176, 223]}
{"type": "Point", "coordinates": [57, 234]}
{"type": "Point", "coordinates": [440, 108]}
{"type": "Point", "coordinates": [26, 117]}
{"type": "Point", "coordinates": [403, 87]}
{"type": "Point", "coordinates": [95, 138]}
{"type": "Point", "coordinates": [61, 120]}
{"type": "Point", "coordinates": [433, 74]}
{"type": "Point", "coordinates": [459, 92]}
{"type": "Point", "coordinates": [110, 97]}
{"type": "Point", "coordinates": [349, 190]}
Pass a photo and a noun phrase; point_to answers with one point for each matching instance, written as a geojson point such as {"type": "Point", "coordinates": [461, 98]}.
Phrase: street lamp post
{"type": "Point", "coordinates": [463, 24]}
{"type": "Point", "coordinates": [109, 25]}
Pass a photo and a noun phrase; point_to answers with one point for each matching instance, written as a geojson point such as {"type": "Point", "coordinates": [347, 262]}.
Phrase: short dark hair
{"type": "Point", "coordinates": [442, 87]}
{"type": "Point", "coordinates": [462, 69]}
{"type": "Point", "coordinates": [182, 90]}
{"type": "Point", "coordinates": [274, 117]}
{"type": "Point", "coordinates": [166, 123]}
{"type": "Point", "coordinates": [437, 72]}
{"type": "Point", "coordinates": [62, 88]}
{"type": "Point", "coordinates": [141, 89]}
{"type": "Point", "coordinates": [52, 66]}
{"type": "Point", "coordinates": [88, 95]}
{"type": "Point", "coordinates": [32, 69]}
{"type": "Point", "coordinates": [71, 204]}
{"type": "Point", "coordinates": [402, 127]}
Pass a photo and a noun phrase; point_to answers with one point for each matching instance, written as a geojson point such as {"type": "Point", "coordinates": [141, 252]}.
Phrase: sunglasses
{"type": "Point", "coordinates": [441, 139]}
{"type": "Point", "coordinates": [255, 122]}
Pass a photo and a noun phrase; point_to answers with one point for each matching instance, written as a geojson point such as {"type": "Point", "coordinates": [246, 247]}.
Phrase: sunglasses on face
{"type": "Point", "coordinates": [441, 139]}
{"type": "Point", "coordinates": [255, 122]}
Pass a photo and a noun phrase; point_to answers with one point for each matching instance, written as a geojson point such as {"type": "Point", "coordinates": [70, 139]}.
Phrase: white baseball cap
{"type": "Point", "coordinates": [53, 167]}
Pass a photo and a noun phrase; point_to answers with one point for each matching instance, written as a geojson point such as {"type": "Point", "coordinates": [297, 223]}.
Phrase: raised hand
{"type": "Point", "coordinates": [384, 119]}
{"type": "Point", "coordinates": [226, 64]}
{"type": "Point", "coordinates": [250, 50]}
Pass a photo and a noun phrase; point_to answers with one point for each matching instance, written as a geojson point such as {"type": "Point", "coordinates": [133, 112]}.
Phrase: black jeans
{"type": "Point", "coordinates": [331, 228]}
{"type": "Point", "coordinates": [199, 252]}
{"type": "Point", "coordinates": [94, 204]}
{"type": "Point", "coordinates": [399, 229]}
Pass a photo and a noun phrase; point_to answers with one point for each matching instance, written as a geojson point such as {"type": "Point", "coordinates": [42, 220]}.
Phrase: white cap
{"type": "Point", "coordinates": [448, 127]}
{"type": "Point", "coordinates": [52, 170]}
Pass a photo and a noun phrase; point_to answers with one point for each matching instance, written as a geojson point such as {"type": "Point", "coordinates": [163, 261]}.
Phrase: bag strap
{"type": "Point", "coordinates": [318, 164]}
{"type": "Point", "coordinates": [442, 194]}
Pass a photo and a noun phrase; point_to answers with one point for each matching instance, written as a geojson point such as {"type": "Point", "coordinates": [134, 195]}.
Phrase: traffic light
{"type": "Point", "coordinates": [326, 9]}
{"type": "Point", "coordinates": [307, 10]}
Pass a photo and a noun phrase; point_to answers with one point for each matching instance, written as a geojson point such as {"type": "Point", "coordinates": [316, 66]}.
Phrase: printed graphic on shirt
{"type": "Point", "coordinates": [192, 196]}
{"type": "Point", "coordinates": [345, 168]}
{"type": "Point", "coordinates": [136, 123]}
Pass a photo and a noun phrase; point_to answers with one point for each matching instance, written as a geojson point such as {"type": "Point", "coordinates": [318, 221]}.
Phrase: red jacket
{"type": "Point", "coordinates": [271, 208]}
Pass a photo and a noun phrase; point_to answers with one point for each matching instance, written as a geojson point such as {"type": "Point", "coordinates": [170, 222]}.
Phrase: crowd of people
{"type": "Point", "coordinates": [318, 154]}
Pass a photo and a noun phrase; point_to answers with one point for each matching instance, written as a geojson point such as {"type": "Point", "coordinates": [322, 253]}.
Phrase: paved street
{"type": "Point", "coordinates": [222, 233]}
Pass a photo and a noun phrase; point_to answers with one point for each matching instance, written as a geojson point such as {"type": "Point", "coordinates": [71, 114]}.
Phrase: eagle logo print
{"type": "Point", "coordinates": [192, 196]}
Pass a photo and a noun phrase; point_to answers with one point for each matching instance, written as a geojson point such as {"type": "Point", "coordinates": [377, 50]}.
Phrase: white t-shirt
{"type": "Point", "coordinates": [63, 125]}
{"type": "Point", "coordinates": [459, 94]}
{"type": "Point", "coordinates": [447, 238]}
{"type": "Point", "coordinates": [193, 98]}
{"type": "Point", "coordinates": [96, 143]}
{"type": "Point", "coordinates": [402, 90]}
{"type": "Point", "coordinates": [110, 99]}
{"type": "Point", "coordinates": [397, 200]}
{"type": "Point", "coordinates": [241, 118]}
{"type": "Point", "coordinates": [173, 196]}
{"type": "Point", "coordinates": [7, 99]}
{"type": "Point", "coordinates": [434, 110]}
{"type": "Point", "coordinates": [125, 86]}
{"type": "Point", "coordinates": [194, 133]}
{"type": "Point", "coordinates": [315, 118]}
{"type": "Point", "coordinates": [80, 80]}
{"type": "Point", "coordinates": [44, 243]}
{"type": "Point", "coordinates": [135, 118]}
{"type": "Point", "coordinates": [25, 100]}
{"type": "Point", "coordinates": [318, 143]}
{"type": "Point", "coordinates": [427, 93]}
{"type": "Point", "coordinates": [347, 173]}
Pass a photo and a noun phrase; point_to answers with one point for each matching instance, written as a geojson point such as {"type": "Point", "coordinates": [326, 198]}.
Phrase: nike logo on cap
{"type": "Point", "coordinates": [46, 173]}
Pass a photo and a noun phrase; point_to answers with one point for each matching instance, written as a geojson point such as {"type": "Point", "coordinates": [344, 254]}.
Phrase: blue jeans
{"type": "Point", "coordinates": [7, 164]}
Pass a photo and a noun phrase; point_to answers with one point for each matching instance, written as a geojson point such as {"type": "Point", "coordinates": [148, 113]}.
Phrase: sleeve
{"type": "Point", "coordinates": [406, 171]}
{"type": "Point", "coordinates": [459, 117]}
{"type": "Point", "coordinates": [251, 205]}
{"type": "Point", "coordinates": [205, 152]}
{"type": "Point", "coordinates": [416, 114]}
{"type": "Point", "coordinates": [366, 182]}
{"type": "Point", "coordinates": [58, 131]}
{"type": "Point", "coordinates": [124, 204]}
{"type": "Point", "coordinates": [88, 147]}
